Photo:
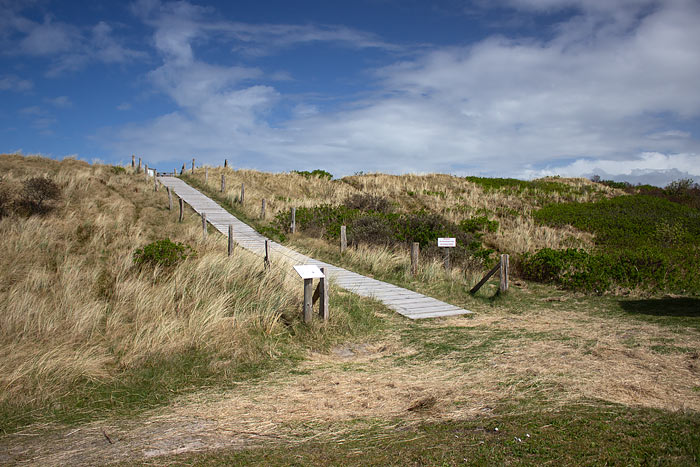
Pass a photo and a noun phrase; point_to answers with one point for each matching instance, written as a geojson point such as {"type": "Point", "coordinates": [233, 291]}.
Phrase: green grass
{"type": "Point", "coordinates": [580, 434]}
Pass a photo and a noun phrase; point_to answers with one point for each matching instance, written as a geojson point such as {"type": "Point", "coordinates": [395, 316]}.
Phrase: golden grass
{"type": "Point", "coordinates": [75, 308]}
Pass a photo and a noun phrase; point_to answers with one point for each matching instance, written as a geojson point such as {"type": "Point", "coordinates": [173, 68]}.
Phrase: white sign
{"type": "Point", "coordinates": [447, 242]}
{"type": "Point", "coordinates": [308, 271]}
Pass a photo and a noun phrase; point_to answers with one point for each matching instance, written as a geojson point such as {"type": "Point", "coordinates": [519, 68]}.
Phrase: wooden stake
{"type": "Point", "coordinates": [267, 254]}
{"type": "Point", "coordinates": [503, 287]}
{"type": "Point", "coordinates": [223, 183]}
{"type": "Point", "coordinates": [155, 180]}
{"type": "Point", "coordinates": [447, 259]}
{"type": "Point", "coordinates": [193, 166]}
{"type": "Point", "coordinates": [182, 171]}
{"type": "Point", "coordinates": [486, 277]}
{"type": "Point", "coordinates": [308, 300]}
{"type": "Point", "coordinates": [206, 175]}
{"type": "Point", "coordinates": [133, 161]}
{"type": "Point", "coordinates": [230, 239]}
{"type": "Point", "coordinates": [170, 199]}
{"type": "Point", "coordinates": [204, 226]}
{"type": "Point", "coordinates": [242, 192]}
{"type": "Point", "coordinates": [182, 210]}
{"type": "Point", "coordinates": [174, 172]}
{"type": "Point", "coordinates": [323, 309]}
{"type": "Point", "coordinates": [225, 163]}
{"type": "Point", "coordinates": [262, 209]}
{"type": "Point", "coordinates": [294, 220]}
{"type": "Point", "coordinates": [415, 251]}
{"type": "Point", "coordinates": [146, 173]}
{"type": "Point", "coordinates": [139, 169]}
{"type": "Point", "coordinates": [343, 239]}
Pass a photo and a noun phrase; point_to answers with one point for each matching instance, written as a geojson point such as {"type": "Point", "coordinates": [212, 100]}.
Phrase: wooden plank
{"type": "Point", "coordinates": [486, 277]}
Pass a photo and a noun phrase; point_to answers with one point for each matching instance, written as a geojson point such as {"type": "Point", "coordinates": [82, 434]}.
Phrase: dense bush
{"type": "Point", "coordinates": [117, 170]}
{"type": "Point", "coordinates": [379, 227]}
{"type": "Point", "coordinates": [641, 242]}
{"type": "Point", "coordinates": [38, 195]}
{"type": "Point", "coordinates": [367, 202]}
{"type": "Point", "coordinates": [7, 198]}
{"type": "Point", "coordinates": [163, 253]}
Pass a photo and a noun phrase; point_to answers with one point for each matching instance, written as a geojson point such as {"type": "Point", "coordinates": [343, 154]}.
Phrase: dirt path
{"type": "Point", "coordinates": [550, 357]}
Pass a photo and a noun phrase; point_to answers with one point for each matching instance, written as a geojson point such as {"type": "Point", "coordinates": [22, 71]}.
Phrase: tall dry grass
{"type": "Point", "coordinates": [75, 308]}
{"type": "Point", "coordinates": [453, 197]}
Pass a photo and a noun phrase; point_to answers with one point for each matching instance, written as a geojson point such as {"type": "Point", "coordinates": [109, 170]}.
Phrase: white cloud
{"type": "Point", "coordinates": [613, 82]}
{"type": "Point", "coordinates": [14, 83]}
{"type": "Point", "coordinates": [124, 106]}
{"type": "Point", "coordinates": [61, 102]}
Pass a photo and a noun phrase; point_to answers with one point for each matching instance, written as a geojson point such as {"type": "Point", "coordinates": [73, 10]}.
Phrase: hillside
{"type": "Point", "coordinates": [116, 346]}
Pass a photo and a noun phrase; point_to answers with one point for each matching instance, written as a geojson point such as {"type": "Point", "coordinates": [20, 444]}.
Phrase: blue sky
{"type": "Point", "coordinates": [522, 88]}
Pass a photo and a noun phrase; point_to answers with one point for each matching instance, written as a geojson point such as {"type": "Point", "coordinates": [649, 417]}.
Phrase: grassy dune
{"type": "Point", "coordinates": [80, 320]}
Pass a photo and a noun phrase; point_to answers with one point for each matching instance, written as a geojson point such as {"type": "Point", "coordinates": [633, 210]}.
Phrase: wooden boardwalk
{"type": "Point", "coordinates": [406, 302]}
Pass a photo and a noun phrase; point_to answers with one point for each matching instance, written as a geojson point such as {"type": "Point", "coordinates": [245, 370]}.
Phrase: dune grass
{"type": "Point", "coordinates": [85, 330]}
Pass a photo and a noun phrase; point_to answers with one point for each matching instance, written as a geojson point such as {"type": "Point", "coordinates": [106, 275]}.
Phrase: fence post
{"type": "Point", "coordinates": [182, 171]}
{"type": "Point", "coordinates": [343, 239]}
{"type": "Point", "coordinates": [294, 220]}
{"type": "Point", "coordinates": [223, 183]}
{"type": "Point", "coordinates": [146, 173]}
{"type": "Point", "coordinates": [267, 254]}
{"type": "Point", "coordinates": [503, 286]}
{"type": "Point", "coordinates": [174, 172]}
{"type": "Point", "coordinates": [242, 192]}
{"type": "Point", "coordinates": [193, 166]}
{"type": "Point", "coordinates": [155, 180]}
{"type": "Point", "coordinates": [225, 163]}
{"type": "Point", "coordinates": [308, 300]}
{"type": "Point", "coordinates": [230, 239]}
{"type": "Point", "coordinates": [204, 226]}
{"type": "Point", "coordinates": [323, 309]}
{"type": "Point", "coordinates": [133, 161]}
{"type": "Point", "coordinates": [182, 210]}
{"type": "Point", "coordinates": [262, 209]}
{"type": "Point", "coordinates": [170, 200]}
{"type": "Point", "coordinates": [415, 251]}
{"type": "Point", "coordinates": [447, 259]}
{"type": "Point", "coordinates": [206, 175]}
{"type": "Point", "coordinates": [139, 169]}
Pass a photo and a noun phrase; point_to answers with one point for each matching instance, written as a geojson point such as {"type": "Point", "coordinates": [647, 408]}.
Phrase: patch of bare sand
{"type": "Point", "coordinates": [553, 357]}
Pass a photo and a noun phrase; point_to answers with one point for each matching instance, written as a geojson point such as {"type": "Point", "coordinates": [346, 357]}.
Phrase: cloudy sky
{"type": "Point", "coordinates": [521, 88]}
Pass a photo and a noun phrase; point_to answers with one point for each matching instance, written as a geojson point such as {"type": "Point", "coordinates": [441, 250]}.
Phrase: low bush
{"type": "Point", "coordinates": [163, 252]}
{"type": "Point", "coordinates": [118, 170]}
{"type": "Point", "coordinates": [642, 242]}
{"type": "Point", "coordinates": [367, 202]}
{"type": "Point", "coordinates": [317, 173]}
{"type": "Point", "coordinates": [38, 195]}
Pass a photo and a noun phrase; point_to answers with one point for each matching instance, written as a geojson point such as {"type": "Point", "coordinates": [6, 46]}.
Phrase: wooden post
{"type": "Point", "coordinates": [206, 175]}
{"type": "Point", "coordinates": [262, 209]}
{"type": "Point", "coordinates": [242, 192]}
{"type": "Point", "coordinates": [155, 180]}
{"type": "Point", "coordinates": [308, 300]}
{"type": "Point", "coordinates": [267, 254]}
{"type": "Point", "coordinates": [230, 239]}
{"type": "Point", "coordinates": [182, 210]}
{"type": "Point", "coordinates": [133, 161]}
{"type": "Point", "coordinates": [343, 239]}
{"type": "Point", "coordinates": [146, 173]}
{"type": "Point", "coordinates": [170, 199]}
{"type": "Point", "coordinates": [182, 171]}
{"type": "Point", "coordinates": [225, 163]}
{"type": "Point", "coordinates": [223, 183]}
{"type": "Point", "coordinates": [174, 172]}
{"type": "Point", "coordinates": [503, 287]}
{"type": "Point", "coordinates": [193, 166]}
{"type": "Point", "coordinates": [447, 259]}
{"type": "Point", "coordinates": [204, 226]}
{"type": "Point", "coordinates": [294, 220]}
{"type": "Point", "coordinates": [485, 278]}
{"type": "Point", "coordinates": [415, 251]}
{"type": "Point", "coordinates": [323, 309]}
{"type": "Point", "coordinates": [139, 169]}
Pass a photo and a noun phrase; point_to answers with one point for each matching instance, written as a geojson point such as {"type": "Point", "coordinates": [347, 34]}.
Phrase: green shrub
{"type": "Point", "coordinates": [163, 253]}
{"type": "Point", "coordinates": [118, 170]}
{"type": "Point", "coordinates": [367, 202]}
{"type": "Point", "coordinates": [641, 242]}
{"type": "Point", "coordinates": [317, 173]}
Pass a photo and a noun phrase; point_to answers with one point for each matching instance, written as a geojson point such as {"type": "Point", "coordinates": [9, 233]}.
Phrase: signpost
{"type": "Point", "coordinates": [446, 243]}
{"type": "Point", "coordinates": [309, 272]}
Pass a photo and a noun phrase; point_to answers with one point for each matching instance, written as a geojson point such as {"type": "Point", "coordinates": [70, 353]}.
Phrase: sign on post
{"type": "Point", "coordinates": [447, 242]}
{"type": "Point", "coordinates": [309, 272]}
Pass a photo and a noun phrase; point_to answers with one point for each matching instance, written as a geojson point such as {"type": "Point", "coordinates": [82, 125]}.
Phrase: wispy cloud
{"type": "Point", "coordinates": [62, 102]}
{"type": "Point", "coordinates": [15, 83]}
{"type": "Point", "coordinates": [592, 93]}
